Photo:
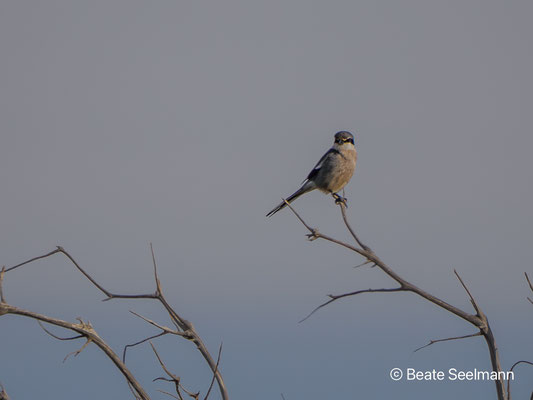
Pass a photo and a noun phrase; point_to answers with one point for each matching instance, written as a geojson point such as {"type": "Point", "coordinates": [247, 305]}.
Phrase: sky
{"type": "Point", "coordinates": [182, 124]}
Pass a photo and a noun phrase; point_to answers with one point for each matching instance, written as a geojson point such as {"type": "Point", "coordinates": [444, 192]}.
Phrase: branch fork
{"type": "Point", "coordinates": [478, 320]}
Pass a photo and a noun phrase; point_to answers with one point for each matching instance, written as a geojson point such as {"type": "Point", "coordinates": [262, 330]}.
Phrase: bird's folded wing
{"type": "Point", "coordinates": [319, 164]}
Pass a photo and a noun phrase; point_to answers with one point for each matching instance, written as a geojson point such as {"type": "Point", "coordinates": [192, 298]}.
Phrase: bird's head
{"type": "Point", "coordinates": [344, 137]}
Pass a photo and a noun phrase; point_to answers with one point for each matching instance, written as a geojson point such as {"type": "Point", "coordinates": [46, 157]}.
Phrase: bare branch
{"type": "Point", "coordinates": [140, 342]}
{"type": "Point", "coordinates": [75, 353]}
{"type": "Point", "coordinates": [525, 273]}
{"type": "Point", "coordinates": [472, 300]}
{"type": "Point", "coordinates": [314, 234]}
{"type": "Point", "coordinates": [2, 273]}
{"type": "Point", "coordinates": [182, 324]}
{"type": "Point", "coordinates": [363, 264]}
{"type": "Point", "coordinates": [372, 257]}
{"type": "Point", "coordinates": [343, 212]}
{"type": "Point", "coordinates": [337, 297]}
{"type": "Point", "coordinates": [34, 259]}
{"type": "Point", "coordinates": [214, 373]}
{"type": "Point", "coordinates": [479, 321]}
{"type": "Point", "coordinates": [109, 295]}
{"type": "Point", "coordinates": [173, 378]}
{"type": "Point", "coordinates": [511, 370]}
{"type": "Point", "coordinates": [447, 339]}
{"type": "Point", "coordinates": [170, 394]}
{"type": "Point", "coordinates": [170, 374]}
{"type": "Point", "coordinates": [157, 283]}
{"type": "Point", "coordinates": [62, 250]}
{"type": "Point", "coordinates": [298, 216]}
{"type": "Point", "coordinates": [86, 330]}
{"type": "Point", "coordinates": [3, 393]}
{"type": "Point", "coordinates": [163, 328]}
{"type": "Point", "coordinates": [57, 337]}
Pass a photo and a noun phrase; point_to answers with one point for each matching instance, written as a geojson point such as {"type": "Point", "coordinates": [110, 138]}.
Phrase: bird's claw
{"type": "Point", "coordinates": [339, 199]}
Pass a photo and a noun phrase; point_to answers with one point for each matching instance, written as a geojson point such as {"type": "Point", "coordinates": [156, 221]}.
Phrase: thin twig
{"type": "Point", "coordinates": [87, 331]}
{"type": "Point", "coordinates": [3, 393]}
{"type": "Point", "coordinates": [34, 259]}
{"type": "Point", "coordinates": [511, 370]}
{"type": "Point", "coordinates": [58, 337]}
{"type": "Point", "coordinates": [140, 342]}
{"type": "Point", "coordinates": [163, 328]}
{"type": "Point", "coordinates": [77, 352]}
{"type": "Point", "coordinates": [371, 256]}
{"type": "Point", "coordinates": [214, 373]}
{"type": "Point", "coordinates": [314, 234]}
{"type": "Point", "coordinates": [337, 297]}
{"type": "Point", "coordinates": [170, 394]}
{"type": "Point", "coordinates": [354, 235]}
{"type": "Point", "coordinates": [447, 339]}
{"type": "Point", "coordinates": [157, 283]}
{"type": "Point", "coordinates": [474, 304]}
{"type": "Point", "coordinates": [480, 320]}
{"type": "Point", "coordinates": [2, 273]}
{"type": "Point", "coordinates": [181, 324]}
{"type": "Point", "coordinates": [363, 264]}
{"type": "Point", "coordinates": [170, 374]}
{"type": "Point", "coordinates": [525, 273]}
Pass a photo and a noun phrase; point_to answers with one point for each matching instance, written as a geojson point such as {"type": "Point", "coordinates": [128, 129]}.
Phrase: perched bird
{"type": "Point", "coordinates": [332, 172]}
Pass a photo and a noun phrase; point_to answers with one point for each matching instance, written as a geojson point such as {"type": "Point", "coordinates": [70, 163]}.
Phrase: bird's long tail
{"type": "Point", "coordinates": [307, 187]}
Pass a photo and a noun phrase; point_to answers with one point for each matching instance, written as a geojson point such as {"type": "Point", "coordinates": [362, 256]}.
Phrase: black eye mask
{"type": "Point", "coordinates": [341, 141]}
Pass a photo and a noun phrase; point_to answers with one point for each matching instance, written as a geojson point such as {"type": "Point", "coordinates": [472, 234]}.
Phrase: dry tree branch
{"type": "Point", "coordinates": [479, 320]}
{"type": "Point", "coordinates": [170, 394]}
{"type": "Point", "coordinates": [184, 327]}
{"type": "Point", "coordinates": [356, 238]}
{"type": "Point", "coordinates": [214, 374]}
{"type": "Point", "coordinates": [447, 339]}
{"type": "Point", "coordinates": [474, 303]}
{"type": "Point", "coordinates": [85, 330]}
{"type": "Point", "coordinates": [57, 250]}
{"type": "Point", "coordinates": [140, 342]}
{"type": "Point", "coordinates": [3, 393]}
{"type": "Point", "coordinates": [336, 297]}
{"type": "Point", "coordinates": [55, 336]}
{"type": "Point", "coordinates": [163, 328]}
{"type": "Point", "coordinates": [77, 352]}
{"type": "Point", "coordinates": [2, 273]}
{"type": "Point", "coordinates": [528, 281]}
{"type": "Point", "coordinates": [511, 370]}
{"type": "Point", "coordinates": [173, 378]}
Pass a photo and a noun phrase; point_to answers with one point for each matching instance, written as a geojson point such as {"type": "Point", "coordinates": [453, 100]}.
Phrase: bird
{"type": "Point", "coordinates": [332, 172]}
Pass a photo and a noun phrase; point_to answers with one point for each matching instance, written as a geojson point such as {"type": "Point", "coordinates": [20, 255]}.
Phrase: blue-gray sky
{"type": "Point", "coordinates": [183, 123]}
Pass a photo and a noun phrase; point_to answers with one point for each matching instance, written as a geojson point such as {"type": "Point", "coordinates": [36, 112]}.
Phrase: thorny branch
{"type": "Point", "coordinates": [447, 339]}
{"type": "Point", "coordinates": [478, 320]}
{"type": "Point", "coordinates": [511, 370]}
{"type": "Point", "coordinates": [172, 378]}
{"type": "Point", "coordinates": [184, 328]}
{"type": "Point", "coordinates": [340, 296]}
{"type": "Point", "coordinates": [86, 330]}
{"type": "Point", "coordinates": [528, 281]}
{"type": "Point", "coordinates": [521, 361]}
{"type": "Point", "coordinates": [3, 394]}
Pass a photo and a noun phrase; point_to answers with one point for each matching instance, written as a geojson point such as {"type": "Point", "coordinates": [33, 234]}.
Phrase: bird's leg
{"type": "Point", "coordinates": [339, 199]}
